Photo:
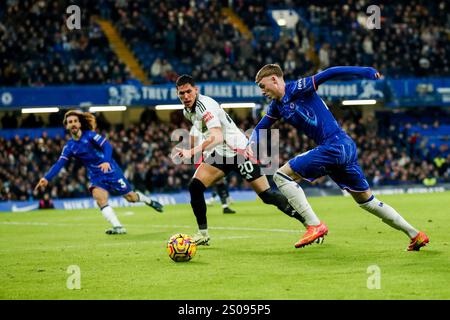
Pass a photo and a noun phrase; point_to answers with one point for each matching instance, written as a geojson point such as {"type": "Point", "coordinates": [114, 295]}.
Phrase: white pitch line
{"type": "Point", "coordinates": [233, 228]}
{"type": "Point", "coordinates": [155, 226]}
{"type": "Point", "coordinates": [107, 245]}
{"type": "Point", "coordinates": [26, 223]}
{"type": "Point", "coordinates": [55, 224]}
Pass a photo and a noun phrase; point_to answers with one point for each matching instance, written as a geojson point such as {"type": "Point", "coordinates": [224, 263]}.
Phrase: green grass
{"type": "Point", "coordinates": [251, 255]}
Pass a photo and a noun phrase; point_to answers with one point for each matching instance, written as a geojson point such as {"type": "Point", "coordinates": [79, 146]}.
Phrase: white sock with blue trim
{"type": "Point", "coordinates": [110, 216]}
{"type": "Point", "coordinates": [388, 215]}
{"type": "Point", "coordinates": [143, 198]}
{"type": "Point", "coordinates": [296, 198]}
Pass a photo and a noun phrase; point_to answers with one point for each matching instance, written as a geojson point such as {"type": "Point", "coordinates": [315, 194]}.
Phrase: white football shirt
{"type": "Point", "coordinates": [207, 114]}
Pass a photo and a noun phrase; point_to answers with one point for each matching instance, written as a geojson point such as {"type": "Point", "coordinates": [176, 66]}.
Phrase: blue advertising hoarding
{"type": "Point", "coordinates": [89, 203]}
{"type": "Point", "coordinates": [408, 92]}
{"type": "Point", "coordinates": [150, 95]}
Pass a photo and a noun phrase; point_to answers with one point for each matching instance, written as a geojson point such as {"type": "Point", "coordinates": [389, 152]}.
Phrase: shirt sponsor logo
{"type": "Point", "coordinates": [300, 84]}
{"type": "Point", "coordinates": [207, 116]}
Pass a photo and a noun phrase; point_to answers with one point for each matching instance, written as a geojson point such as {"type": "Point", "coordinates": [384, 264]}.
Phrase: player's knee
{"type": "Point", "coordinates": [196, 188]}
{"type": "Point", "coordinates": [281, 178]}
{"type": "Point", "coordinates": [131, 197]}
{"type": "Point", "coordinates": [101, 202]}
{"type": "Point", "coordinates": [362, 197]}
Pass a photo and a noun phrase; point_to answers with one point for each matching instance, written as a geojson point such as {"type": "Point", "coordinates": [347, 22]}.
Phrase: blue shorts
{"type": "Point", "coordinates": [114, 183]}
{"type": "Point", "coordinates": [338, 160]}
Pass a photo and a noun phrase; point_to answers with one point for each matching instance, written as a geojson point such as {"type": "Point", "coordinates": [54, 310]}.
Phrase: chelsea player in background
{"type": "Point", "coordinates": [105, 176]}
{"type": "Point", "coordinates": [335, 155]}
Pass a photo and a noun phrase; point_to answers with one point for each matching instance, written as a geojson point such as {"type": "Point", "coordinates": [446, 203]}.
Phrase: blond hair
{"type": "Point", "coordinates": [269, 70]}
{"type": "Point", "coordinates": [86, 119]}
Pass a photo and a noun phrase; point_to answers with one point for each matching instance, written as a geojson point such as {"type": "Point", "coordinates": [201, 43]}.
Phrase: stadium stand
{"type": "Point", "coordinates": [388, 157]}
{"type": "Point", "coordinates": [171, 38]}
{"type": "Point", "coordinates": [198, 37]}
{"type": "Point", "coordinates": [37, 49]}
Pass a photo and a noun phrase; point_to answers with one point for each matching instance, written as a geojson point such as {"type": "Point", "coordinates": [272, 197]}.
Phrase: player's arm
{"type": "Point", "coordinates": [107, 149]}
{"type": "Point", "coordinates": [54, 170]}
{"type": "Point", "coordinates": [215, 138]}
{"type": "Point", "coordinates": [210, 116]}
{"type": "Point", "coordinates": [265, 123]}
{"type": "Point", "coordinates": [344, 73]}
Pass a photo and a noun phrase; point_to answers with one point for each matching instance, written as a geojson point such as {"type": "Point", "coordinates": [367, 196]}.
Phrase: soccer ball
{"type": "Point", "coordinates": [181, 247]}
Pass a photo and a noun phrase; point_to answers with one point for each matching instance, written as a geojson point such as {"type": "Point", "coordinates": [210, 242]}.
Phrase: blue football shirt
{"type": "Point", "coordinates": [302, 107]}
{"type": "Point", "coordinates": [88, 149]}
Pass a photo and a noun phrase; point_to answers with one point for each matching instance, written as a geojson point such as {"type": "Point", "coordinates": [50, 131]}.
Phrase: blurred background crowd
{"type": "Point", "coordinates": [171, 37]}
{"type": "Point", "coordinates": [392, 151]}
{"type": "Point", "coordinates": [175, 37]}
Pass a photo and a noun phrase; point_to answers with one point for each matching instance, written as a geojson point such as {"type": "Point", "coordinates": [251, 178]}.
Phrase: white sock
{"type": "Point", "coordinates": [388, 215]}
{"type": "Point", "coordinates": [204, 232]}
{"type": "Point", "coordinates": [296, 197]}
{"type": "Point", "coordinates": [109, 215]}
{"type": "Point", "coordinates": [143, 197]}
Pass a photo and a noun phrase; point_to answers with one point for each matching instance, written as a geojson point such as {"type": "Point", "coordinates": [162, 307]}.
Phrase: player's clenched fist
{"type": "Point", "coordinates": [373, 73]}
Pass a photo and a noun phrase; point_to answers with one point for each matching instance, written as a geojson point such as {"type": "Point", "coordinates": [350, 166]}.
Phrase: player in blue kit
{"type": "Point", "coordinates": [335, 155]}
{"type": "Point", "coordinates": [105, 176]}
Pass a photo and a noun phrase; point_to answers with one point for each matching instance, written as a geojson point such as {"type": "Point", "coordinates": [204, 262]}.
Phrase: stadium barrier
{"type": "Point", "coordinates": [184, 197]}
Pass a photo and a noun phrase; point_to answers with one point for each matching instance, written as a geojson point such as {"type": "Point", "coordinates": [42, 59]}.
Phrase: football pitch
{"type": "Point", "coordinates": [252, 254]}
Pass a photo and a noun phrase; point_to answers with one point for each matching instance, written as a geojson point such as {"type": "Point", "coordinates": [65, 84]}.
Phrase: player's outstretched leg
{"type": "Point", "coordinates": [111, 217]}
{"type": "Point", "coordinates": [280, 201]}
{"type": "Point", "coordinates": [140, 197]}
{"type": "Point", "coordinates": [151, 203]}
{"type": "Point", "coordinates": [296, 197]}
{"type": "Point", "coordinates": [197, 191]}
{"type": "Point", "coordinates": [392, 218]}
{"type": "Point", "coordinates": [101, 197]}
{"type": "Point", "coordinates": [418, 242]}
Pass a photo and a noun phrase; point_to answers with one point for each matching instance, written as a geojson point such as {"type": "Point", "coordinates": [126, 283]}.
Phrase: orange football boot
{"type": "Point", "coordinates": [418, 242]}
{"type": "Point", "coordinates": [312, 234]}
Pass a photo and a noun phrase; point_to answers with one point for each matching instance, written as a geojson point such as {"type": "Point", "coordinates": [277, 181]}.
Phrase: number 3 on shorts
{"type": "Point", "coordinates": [123, 185]}
{"type": "Point", "coordinates": [246, 169]}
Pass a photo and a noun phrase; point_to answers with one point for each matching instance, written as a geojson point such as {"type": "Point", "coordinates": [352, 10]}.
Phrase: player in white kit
{"type": "Point", "coordinates": [221, 187]}
{"type": "Point", "coordinates": [227, 144]}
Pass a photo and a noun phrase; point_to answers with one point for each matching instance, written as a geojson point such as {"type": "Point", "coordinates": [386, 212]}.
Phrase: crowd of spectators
{"type": "Point", "coordinates": [36, 48]}
{"type": "Point", "coordinates": [412, 37]}
{"type": "Point", "coordinates": [389, 155]}
{"type": "Point", "coordinates": [197, 34]}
